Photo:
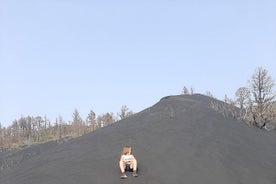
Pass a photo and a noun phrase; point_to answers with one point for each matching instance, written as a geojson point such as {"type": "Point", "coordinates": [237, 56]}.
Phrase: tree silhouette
{"type": "Point", "coordinates": [262, 103]}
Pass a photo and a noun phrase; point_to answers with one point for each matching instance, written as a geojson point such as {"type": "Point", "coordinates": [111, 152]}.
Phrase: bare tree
{"type": "Point", "coordinates": [125, 112]}
{"type": "Point", "coordinates": [59, 127]}
{"type": "Point", "coordinates": [91, 119]}
{"type": "Point", "coordinates": [208, 93]}
{"type": "Point", "coordinates": [261, 88]}
{"type": "Point", "coordinates": [109, 118]}
{"type": "Point", "coordinates": [185, 91]}
{"type": "Point", "coordinates": [105, 119]}
{"type": "Point", "coordinates": [23, 126]}
{"type": "Point", "coordinates": [192, 90]}
{"type": "Point", "coordinates": [77, 123]}
{"type": "Point", "coordinates": [242, 97]}
{"type": "Point", "coordinates": [1, 137]}
{"type": "Point", "coordinates": [100, 121]}
{"type": "Point", "coordinates": [229, 100]}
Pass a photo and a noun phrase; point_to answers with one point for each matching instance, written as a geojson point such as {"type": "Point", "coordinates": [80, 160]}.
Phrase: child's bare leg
{"type": "Point", "coordinates": [134, 164]}
{"type": "Point", "coordinates": [122, 166]}
{"type": "Point", "coordinates": [134, 167]}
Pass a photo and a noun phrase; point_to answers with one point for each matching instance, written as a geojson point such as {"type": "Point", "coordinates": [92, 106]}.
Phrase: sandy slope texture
{"type": "Point", "coordinates": [180, 139]}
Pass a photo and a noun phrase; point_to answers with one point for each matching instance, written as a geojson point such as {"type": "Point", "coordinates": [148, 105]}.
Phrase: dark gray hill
{"type": "Point", "coordinates": [181, 139]}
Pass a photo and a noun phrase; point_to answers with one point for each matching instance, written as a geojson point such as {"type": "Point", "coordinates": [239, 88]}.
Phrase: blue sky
{"type": "Point", "coordinates": [57, 55]}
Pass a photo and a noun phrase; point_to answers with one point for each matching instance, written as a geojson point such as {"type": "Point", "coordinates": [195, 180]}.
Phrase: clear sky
{"type": "Point", "coordinates": [61, 55]}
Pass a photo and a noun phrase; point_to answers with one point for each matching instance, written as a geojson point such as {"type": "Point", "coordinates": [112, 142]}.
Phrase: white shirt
{"type": "Point", "coordinates": [126, 158]}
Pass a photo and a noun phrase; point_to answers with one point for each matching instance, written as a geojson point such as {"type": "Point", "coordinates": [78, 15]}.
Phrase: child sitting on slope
{"type": "Point", "coordinates": [128, 162]}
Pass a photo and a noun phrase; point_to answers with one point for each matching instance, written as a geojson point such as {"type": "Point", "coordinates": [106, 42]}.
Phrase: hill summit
{"type": "Point", "coordinates": [180, 139]}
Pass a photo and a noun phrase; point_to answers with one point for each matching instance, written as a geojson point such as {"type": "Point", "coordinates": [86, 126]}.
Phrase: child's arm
{"type": "Point", "coordinates": [133, 157]}
{"type": "Point", "coordinates": [121, 159]}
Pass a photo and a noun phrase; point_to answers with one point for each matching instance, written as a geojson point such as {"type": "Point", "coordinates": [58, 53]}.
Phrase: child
{"type": "Point", "coordinates": [128, 162]}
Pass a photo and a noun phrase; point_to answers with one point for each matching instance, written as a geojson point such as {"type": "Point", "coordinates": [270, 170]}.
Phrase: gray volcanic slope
{"type": "Point", "coordinates": [180, 139]}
